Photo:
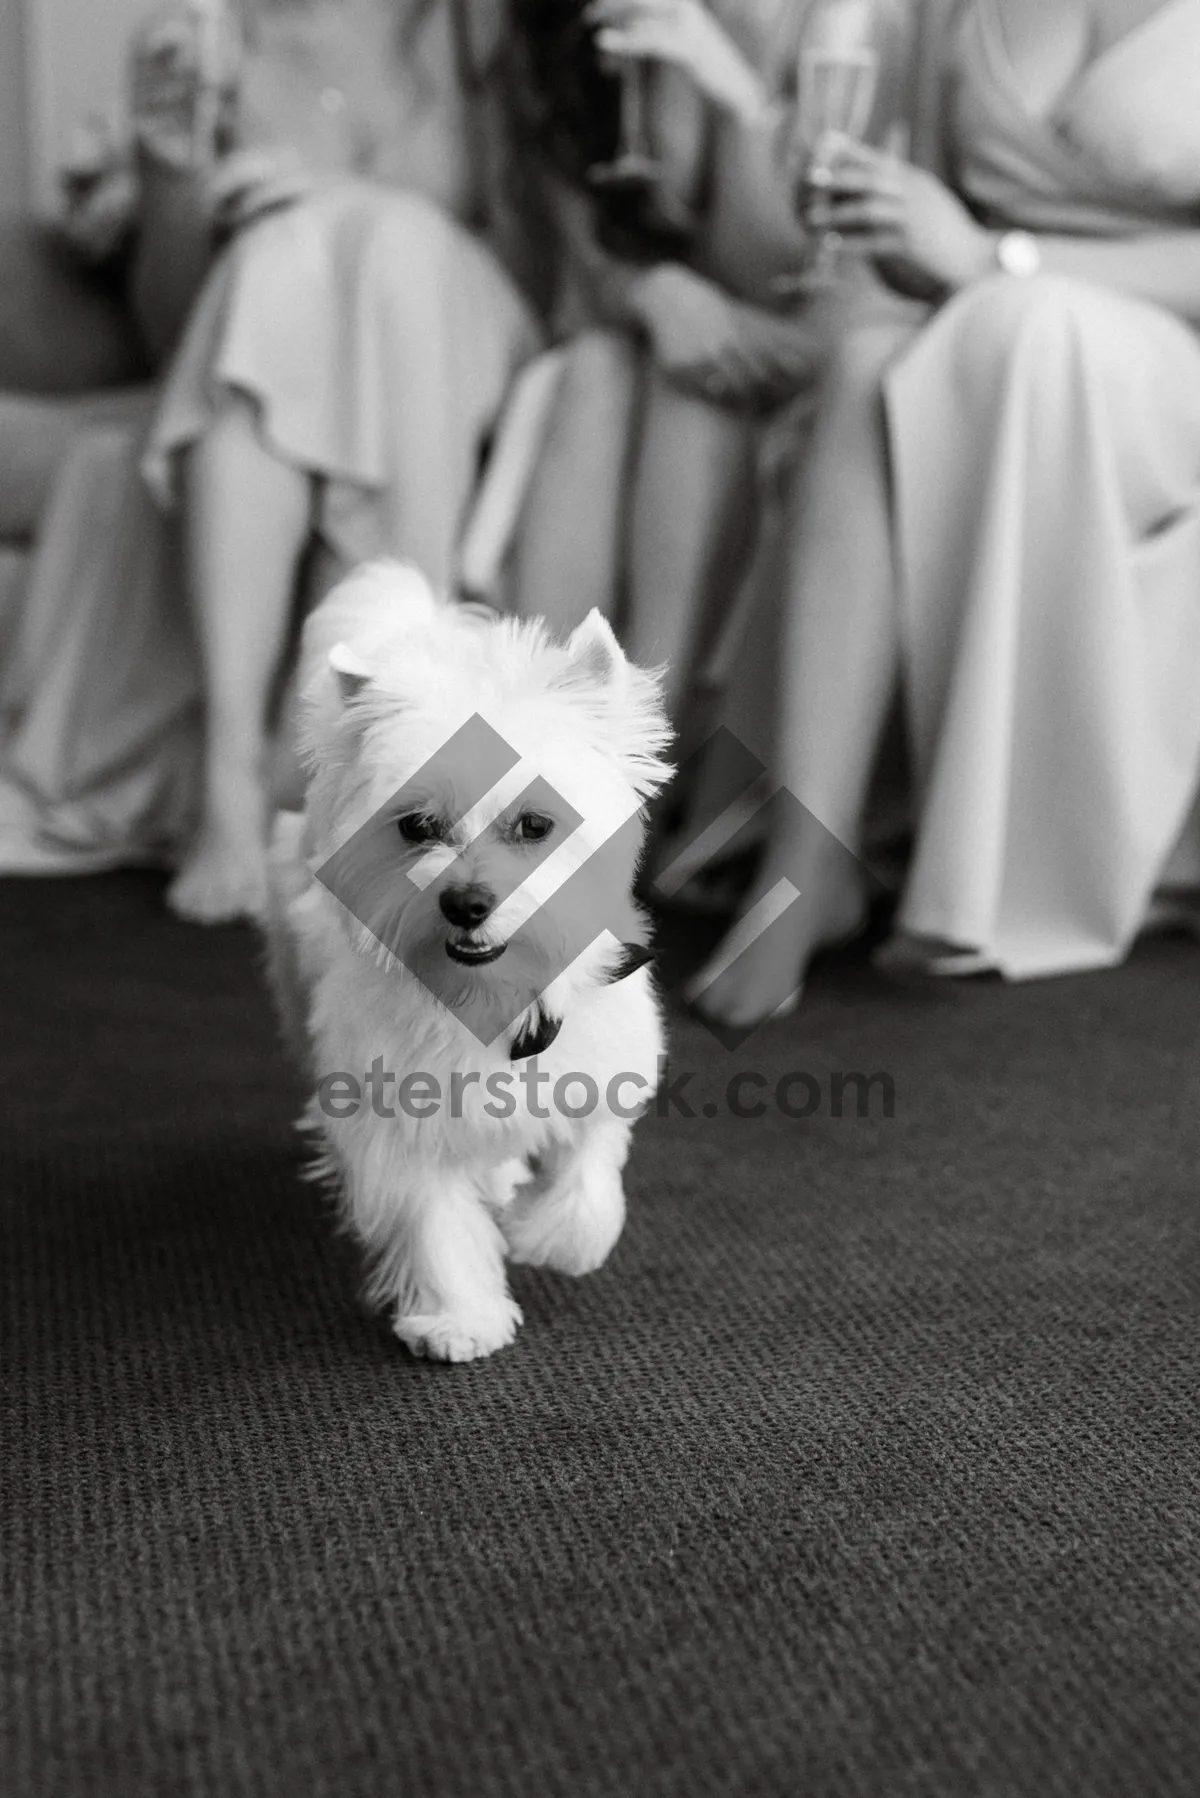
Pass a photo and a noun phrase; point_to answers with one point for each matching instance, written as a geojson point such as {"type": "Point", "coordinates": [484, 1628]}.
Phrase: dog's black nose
{"type": "Point", "coordinates": [467, 906]}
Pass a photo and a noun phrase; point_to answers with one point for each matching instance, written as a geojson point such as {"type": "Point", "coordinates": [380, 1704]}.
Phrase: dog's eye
{"type": "Point", "coordinates": [533, 827]}
{"type": "Point", "coordinates": [418, 827]}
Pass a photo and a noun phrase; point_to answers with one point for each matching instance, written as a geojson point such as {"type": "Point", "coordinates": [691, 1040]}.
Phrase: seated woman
{"type": "Point", "coordinates": [1000, 514]}
{"type": "Point", "coordinates": [345, 361]}
{"type": "Point", "coordinates": [665, 397]}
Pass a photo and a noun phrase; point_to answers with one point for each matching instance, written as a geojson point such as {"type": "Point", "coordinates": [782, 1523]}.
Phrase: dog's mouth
{"type": "Point", "coordinates": [467, 950]}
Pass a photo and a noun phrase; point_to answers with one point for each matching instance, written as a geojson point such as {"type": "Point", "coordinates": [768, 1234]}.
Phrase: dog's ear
{"type": "Point", "coordinates": [594, 657]}
{"type": "Point", "coordinates": [350, 671]}
{"type": "Point", "coordinates": [629, 697]}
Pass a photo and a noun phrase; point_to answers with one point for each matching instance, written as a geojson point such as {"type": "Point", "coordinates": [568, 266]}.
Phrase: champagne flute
{"type": "Point", "coordinates": [209, 25]}
{"type": "Point", "coordinates": [633, 167]}
{"type": "Point", "coordinates": [837, 72]}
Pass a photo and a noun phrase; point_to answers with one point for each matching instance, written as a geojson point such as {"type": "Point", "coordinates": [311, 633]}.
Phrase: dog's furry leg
{"type": "Point", "coordinates": [439, 1265]}
{"type": "Point", "coordinates": [570, 1217]}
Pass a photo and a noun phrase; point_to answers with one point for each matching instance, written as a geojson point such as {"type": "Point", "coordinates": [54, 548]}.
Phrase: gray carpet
{"type": "Point", "coordinates": [868, 1466]}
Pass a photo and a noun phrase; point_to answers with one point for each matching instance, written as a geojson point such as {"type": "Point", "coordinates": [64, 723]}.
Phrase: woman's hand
{"type": "Point", "coordinates": [681, 32]}
{"type": "Point", "coordinates": [904, 217]}
{"type": "Point", "coordinates": [184, 63]}
{"type": "Point", "coordinates": [702, 342]}
{"type": "Point", "coordinates": [99, 196]}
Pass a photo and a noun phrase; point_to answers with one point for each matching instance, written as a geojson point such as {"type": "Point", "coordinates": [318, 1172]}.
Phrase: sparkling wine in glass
{"type": "Point", "coordinates": [210, 25]}
{"type": "Point", "coordinates": [837, 78]}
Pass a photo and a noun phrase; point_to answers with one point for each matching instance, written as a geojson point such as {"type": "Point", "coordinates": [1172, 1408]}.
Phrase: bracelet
{"type": "Point", "coordinates": [1018, 253]}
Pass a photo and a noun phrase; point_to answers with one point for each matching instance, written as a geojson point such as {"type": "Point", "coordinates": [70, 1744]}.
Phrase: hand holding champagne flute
{"type": "Point", "coordinates": [184, 71]}
{"type": "Point", "coordinates": [838, 71]}
{"type": "Point", "coordinates": [682, 33]}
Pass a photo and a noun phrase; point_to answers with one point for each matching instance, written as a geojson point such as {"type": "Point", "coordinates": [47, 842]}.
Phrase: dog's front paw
{"type": "Point", "coordinates": [458, 1336]}
{"type": "Point", "coordinates": [573, 1229]}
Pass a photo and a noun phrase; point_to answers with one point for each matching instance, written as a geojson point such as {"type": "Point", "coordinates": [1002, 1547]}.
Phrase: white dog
{"type": "Point", "coordinates": [452, 934]}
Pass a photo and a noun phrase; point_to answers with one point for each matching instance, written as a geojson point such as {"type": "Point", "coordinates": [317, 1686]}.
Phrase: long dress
{"type": "Point", "coordinates": [377, 337]}
{"type": "Point", "coordinates": [1045, 439]}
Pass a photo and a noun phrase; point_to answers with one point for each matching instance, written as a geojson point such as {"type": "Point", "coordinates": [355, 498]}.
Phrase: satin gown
{"type": "Point", "coordinates": [1045, 447]}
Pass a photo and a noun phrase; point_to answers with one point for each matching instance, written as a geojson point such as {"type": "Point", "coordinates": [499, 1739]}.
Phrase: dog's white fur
{"type": "Point", "coordinates": [388, 675]}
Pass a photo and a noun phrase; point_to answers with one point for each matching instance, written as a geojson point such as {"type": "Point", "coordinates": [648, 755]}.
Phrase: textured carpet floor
{"type": "Point", "coordinates": [868, 1466]}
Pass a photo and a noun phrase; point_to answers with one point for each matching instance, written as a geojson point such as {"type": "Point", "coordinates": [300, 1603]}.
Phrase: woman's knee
{"type": "Point", "coordinates": [599, 375]}
{"type": "Point", "coordinates": [859, 357]}
{"type": "Point", "coordinates": [350, 230]}
{"type": "Point", "coordinates": [584, 449]}
{"type": "Point", "coordinates": [1004, 318]}
{"type": "Point", "coordinates": [397, 219]}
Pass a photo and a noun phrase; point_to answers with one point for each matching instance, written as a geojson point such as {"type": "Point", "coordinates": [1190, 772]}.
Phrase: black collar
{"type": "Point", "coordinates": [633, 957]}
{"type": "Point", "coordinates": [540, 1028]}
{"type": "Point", "coordinates": [536, 1033]}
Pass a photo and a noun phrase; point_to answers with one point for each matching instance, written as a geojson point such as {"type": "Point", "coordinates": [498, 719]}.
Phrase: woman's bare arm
{"type": "Point", "coordinates": [1163, 268]}
{"type": "Point", "coordinates": [907, 217]}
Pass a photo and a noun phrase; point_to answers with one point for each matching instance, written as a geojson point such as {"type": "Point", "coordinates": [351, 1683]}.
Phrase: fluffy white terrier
{"type": "Point", "coordinates": [451, 932]}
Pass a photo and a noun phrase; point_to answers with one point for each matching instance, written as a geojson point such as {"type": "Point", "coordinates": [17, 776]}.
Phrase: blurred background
{"type": "Point", "coordinates": [60, 65]}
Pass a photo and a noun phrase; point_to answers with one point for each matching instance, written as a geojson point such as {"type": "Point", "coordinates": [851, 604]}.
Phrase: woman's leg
{"type": "Point", "coordinates": [567, 547]}
{"type": "Point", "coordinates": [660, 474]}
{"type": "Point", "coordinates": [403, 336]}
{"type": "Point", "coordinates": [246, 523]}
{"type": "Point", "coordinates": [692, 494]}
{"type": "Point", "coordinates": [838, 675]}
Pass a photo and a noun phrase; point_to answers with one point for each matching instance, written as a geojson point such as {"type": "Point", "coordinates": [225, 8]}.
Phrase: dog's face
{"type": "Point", "coordinates": [482, 788]}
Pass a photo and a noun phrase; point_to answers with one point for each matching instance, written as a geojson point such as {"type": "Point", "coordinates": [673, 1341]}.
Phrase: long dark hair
{"type": "Point", "coordinates": [571, 113]}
